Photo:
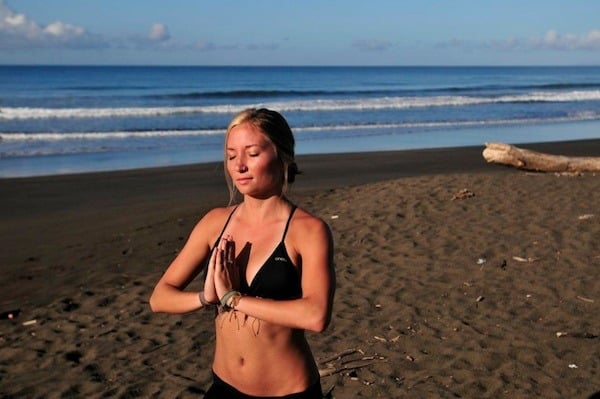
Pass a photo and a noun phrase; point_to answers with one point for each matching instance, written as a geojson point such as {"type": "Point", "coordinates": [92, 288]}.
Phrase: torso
{"type": "Point", "coordinates": [254, 356]}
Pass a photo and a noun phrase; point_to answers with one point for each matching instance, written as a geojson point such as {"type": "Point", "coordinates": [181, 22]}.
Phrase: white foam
{"type": "Point", "coordinates": [581, 116]}
{"type": "Point", "coordinates": [303, 105]}
{"type": "Point", "coordinates": [105, 135]}
{"type": "Point", "coordinates": [123, 135]}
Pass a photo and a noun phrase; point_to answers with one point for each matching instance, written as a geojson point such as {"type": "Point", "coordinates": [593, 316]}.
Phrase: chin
{"type": "Point", "coordinates": [249, 192]}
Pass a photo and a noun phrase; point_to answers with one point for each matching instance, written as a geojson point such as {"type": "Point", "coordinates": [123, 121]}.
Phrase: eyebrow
{"type": "Point", "coordinates": [246, 147]}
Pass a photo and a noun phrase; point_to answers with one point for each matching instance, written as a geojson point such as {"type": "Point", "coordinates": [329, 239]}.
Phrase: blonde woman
{"type": "Point", "coordinates": [268, 270]}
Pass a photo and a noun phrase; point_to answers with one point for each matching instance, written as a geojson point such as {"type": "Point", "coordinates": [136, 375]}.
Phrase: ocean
{"type": "Point", "coordinates": [71, 119]}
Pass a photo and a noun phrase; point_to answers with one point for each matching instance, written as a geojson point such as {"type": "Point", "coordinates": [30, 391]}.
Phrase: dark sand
{"type": "Point", "coordinates": [436, 298]}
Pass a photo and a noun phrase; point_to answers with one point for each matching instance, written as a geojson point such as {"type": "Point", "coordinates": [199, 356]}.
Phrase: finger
{"type": "Point", "coordinates": [222, 253]}
{"type": "Point", "coordinates": [230, 250]}
{"type": "Point", "coordinates": [210, 267]}
{"type": "Point", "coordinates": [223, 267]}
{"type": "Point", "coordinates": [223, 243]}
{"type": "Point", "coordinates": [218, 260]}
{"type": "Point", "coordinates": [212, 260]}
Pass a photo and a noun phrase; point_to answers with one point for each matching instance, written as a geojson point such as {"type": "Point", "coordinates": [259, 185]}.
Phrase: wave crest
{"type": "Point", "coordinates": [380, 103]}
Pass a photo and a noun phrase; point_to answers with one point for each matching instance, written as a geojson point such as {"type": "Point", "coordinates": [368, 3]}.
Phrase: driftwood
{"type": "Point", "coordinates": [346, 365]}
{"type": "Point", "coordinates": [537, 161]}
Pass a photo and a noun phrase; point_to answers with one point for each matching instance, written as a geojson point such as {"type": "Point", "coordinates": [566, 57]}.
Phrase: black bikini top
{"type": "Point", "coordinates": [277, 278]}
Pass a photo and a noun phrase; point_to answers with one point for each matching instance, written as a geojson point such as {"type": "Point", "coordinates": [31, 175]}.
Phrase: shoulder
{"type": "Point", "coordinates": [306, 227]}
{"type": "Point", "coordinates": [217, 215]}
{"type": "Point", "coordinates": [304, 219]}
{"type": "Point", "coordinates": [211, 224]}
{"type": "Point", "coordinates": [311, 240]}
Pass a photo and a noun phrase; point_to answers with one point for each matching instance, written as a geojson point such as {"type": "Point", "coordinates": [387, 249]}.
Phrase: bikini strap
{"type": "Point", "coordinates": [288, 222]}
{"type": "Point", "coordinates": [225, 226]}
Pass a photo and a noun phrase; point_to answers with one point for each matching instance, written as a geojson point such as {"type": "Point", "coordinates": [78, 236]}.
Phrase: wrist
{"type": "Point", "coordinates": [203, 301]}
{"type": "Point", "coordinates": [230, 300]}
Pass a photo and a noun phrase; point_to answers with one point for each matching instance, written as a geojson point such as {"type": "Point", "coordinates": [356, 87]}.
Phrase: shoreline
{"type": "Point", "coordinates": [428, 287]}
{"type": "Point", "coordinates": [59, 165]}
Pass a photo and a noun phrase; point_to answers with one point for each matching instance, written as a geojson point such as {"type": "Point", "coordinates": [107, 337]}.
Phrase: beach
{"type": "Point", "coordinates": [492, 293]}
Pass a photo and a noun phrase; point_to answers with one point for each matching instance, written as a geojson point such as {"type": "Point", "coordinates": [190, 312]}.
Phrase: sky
{"type": "Point", "coordinates": [300, 32]}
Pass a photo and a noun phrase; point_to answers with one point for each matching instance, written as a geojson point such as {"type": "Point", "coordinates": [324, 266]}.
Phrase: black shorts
{"type": "Point", "coordinates": [222, 390]}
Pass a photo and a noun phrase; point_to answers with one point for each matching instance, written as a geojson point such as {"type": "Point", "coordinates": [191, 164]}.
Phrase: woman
{"type": "Point", "coordinates": [268, 268]}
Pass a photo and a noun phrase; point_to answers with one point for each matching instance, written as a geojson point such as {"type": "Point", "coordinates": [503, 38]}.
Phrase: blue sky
{"type": "Point", "coordinates": [310, 32]}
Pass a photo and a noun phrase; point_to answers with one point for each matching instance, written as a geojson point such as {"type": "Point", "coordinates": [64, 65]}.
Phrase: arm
{"type": "Point", "coordinates": [312, 311]}
{"type": "Point", "coordinates": [169, 295]}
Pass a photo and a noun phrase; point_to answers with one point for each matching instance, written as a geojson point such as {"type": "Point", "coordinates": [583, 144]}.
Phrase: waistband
{"type": "Point", "coordinates": [221, 389]}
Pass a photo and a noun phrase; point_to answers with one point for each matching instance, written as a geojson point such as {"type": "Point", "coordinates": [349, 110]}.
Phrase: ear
{"type": "Point", "coordinates": [292, 171]}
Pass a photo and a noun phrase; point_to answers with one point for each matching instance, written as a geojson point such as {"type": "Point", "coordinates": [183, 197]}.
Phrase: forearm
{"type": "Point", "coordinates": [169, 299]}
{"type": "Point", "coordinates": [303, 313]}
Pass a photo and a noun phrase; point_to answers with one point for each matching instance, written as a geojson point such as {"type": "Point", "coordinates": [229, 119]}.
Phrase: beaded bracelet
{"type": "Point", "coordinates": [235, 299]}
{"type": "Point", "coordinates": [228, 296]}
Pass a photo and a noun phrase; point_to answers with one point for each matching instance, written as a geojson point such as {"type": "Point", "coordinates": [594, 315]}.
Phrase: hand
{"type": "Point", "coordinates": [210, 293]}
{"type": "Point", "coordinates": [226, 272]}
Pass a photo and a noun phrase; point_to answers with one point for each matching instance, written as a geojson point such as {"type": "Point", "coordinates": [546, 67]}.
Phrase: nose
{"type": "Point", "coordinates": [240, 165]}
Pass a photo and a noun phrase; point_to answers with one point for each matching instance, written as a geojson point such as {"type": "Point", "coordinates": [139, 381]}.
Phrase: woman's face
{"type": "Point", "coordinates": [252, 162]}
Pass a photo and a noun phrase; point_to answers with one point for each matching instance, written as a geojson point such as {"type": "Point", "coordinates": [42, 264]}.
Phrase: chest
{"type": "Point", "coordinates": [255, 246]}
{"type": "Point", "coordinates": [265, 265]}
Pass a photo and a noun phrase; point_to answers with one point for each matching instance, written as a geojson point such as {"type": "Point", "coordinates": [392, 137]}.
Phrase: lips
{"type": "Point", "coordinates": [243, 180]}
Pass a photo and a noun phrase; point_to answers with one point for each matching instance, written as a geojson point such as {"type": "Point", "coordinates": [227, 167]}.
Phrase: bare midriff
{"type": "Point", "coordinates": [262, 359]}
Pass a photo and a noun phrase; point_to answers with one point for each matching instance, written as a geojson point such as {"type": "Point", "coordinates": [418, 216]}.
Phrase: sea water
{"type": "Point", "coordinates": [67, 119]}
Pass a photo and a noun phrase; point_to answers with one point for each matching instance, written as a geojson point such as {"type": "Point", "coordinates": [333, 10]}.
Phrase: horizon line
{"type": "Point", "coordinates": [308, 65]}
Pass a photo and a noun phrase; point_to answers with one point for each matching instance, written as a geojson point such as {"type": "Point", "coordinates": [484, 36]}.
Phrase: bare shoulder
{"type": "Point", "coordinates": [217, 215]}
{"type": "Point", "coordinates": [307, 226]}
{"type": "Point", "coordinates": [311, 242]}
{"type": "Point", "coordinates": [211, 224]}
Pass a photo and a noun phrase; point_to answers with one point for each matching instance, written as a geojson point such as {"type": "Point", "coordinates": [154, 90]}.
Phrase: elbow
{"type": "Point", "coordinates": [152, 306]}
{"type": "Point", "coordinates": [319, 324]}
{"type": "Point", "coordinates": [318, 317]}
{"type": "Point", "coordinates": [153, 302]}
{"type": "Point", "coordinates": [318, 327]}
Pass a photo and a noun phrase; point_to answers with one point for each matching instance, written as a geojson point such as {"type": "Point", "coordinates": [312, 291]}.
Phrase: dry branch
{"type": "Point", "coordinates": [532, 160]}
{"type": "Point", "coordinates": [350, 366]}
{"type": "Point", "coordinates": [346, 364]}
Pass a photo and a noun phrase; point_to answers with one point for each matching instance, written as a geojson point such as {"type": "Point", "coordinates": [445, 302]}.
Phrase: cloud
{"type": "Point", "coordinates": [371, 45]}
{"type": "Point", "coordinates": [158, 37]}
{"type": "Point", "coordinates": [18, 31]}
{"type": "Point", "coordinates": [552, 40]}
{"type": "Point", "coordinates": [159, 33]}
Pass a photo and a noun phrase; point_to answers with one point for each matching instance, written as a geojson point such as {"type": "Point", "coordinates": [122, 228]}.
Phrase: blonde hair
{"type": "Point", "coordinates": [277, 131]}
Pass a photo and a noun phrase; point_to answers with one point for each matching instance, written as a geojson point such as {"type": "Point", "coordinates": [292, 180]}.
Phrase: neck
{"type": "Point", "coordinates": [260, 209]}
